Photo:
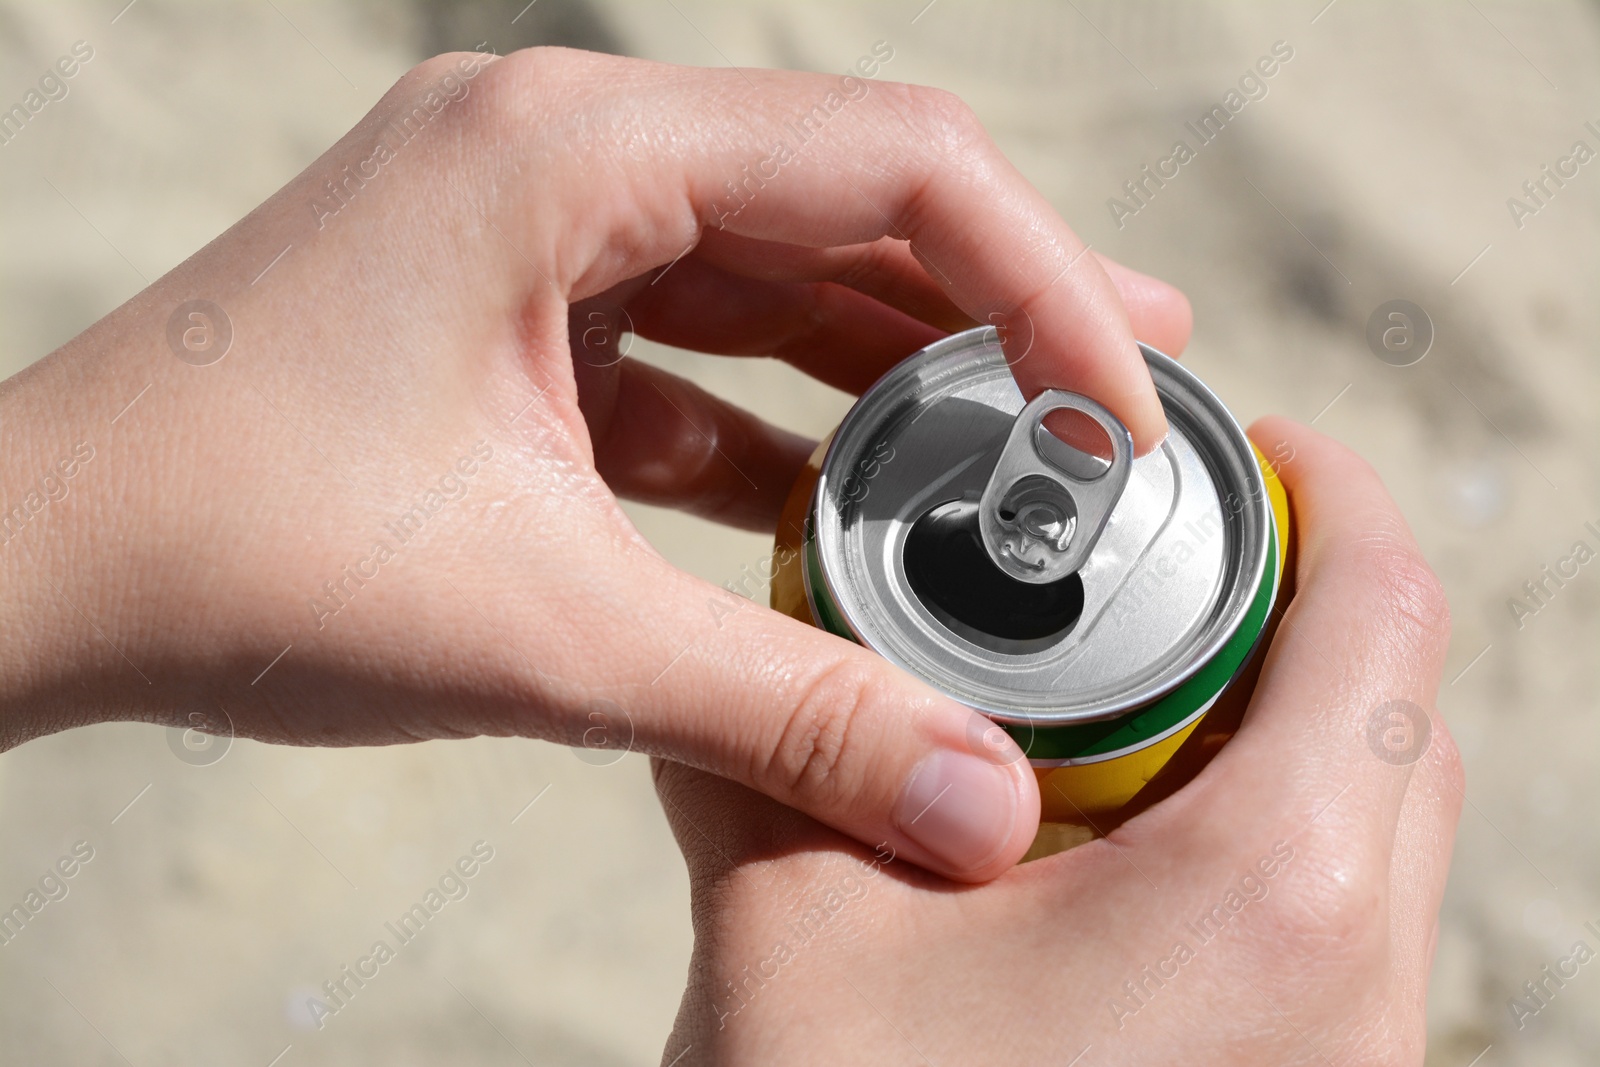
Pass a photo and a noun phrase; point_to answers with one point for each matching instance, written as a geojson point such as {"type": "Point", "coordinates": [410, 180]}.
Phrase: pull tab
{"type": "Point", "coordinates": [1038, 518]}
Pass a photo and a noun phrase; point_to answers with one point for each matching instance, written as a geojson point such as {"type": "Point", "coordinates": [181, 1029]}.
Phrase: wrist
{"type": "Point", "coordinates": [62, 515]}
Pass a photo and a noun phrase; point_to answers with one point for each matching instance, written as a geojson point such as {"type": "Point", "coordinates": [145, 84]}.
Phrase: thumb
{"type": "Point", "coordinates": [827, 727]}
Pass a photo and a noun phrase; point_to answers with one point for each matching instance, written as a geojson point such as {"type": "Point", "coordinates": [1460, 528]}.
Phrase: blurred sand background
{"type": "Point", "coordinates": [1376, 168]}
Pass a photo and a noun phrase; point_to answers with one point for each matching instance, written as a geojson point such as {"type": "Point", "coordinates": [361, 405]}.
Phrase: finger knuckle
{"type": "Point", "coordinates": [945, 121]}
{"type": "Point", "coordinates": [1333, 916]}
{"type": "Point", "coordinates": [508, 93]}
{"type": "Point", "coordinates": [872, 262]}
{"type": "Point", "coordinates": [811, 759]}
{"type": "Point", "coordinates": [1415, 597]}
{"type": "Point", "coordinates": [481, 90]}
{"type": "Point", "coordinates": [540, 68]}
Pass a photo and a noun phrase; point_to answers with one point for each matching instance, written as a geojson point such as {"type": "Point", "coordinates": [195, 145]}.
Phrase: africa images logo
{"type": "Point", "coordinates": [1252, 85]}
{"type": "Point", "coordinates": [453, 885]}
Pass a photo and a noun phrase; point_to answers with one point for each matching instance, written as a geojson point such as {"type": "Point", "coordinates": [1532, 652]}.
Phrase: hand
{"type": "Point", "coordinates": [387, 510]}
{"type": "Point", "coordinates": [1280, 909]}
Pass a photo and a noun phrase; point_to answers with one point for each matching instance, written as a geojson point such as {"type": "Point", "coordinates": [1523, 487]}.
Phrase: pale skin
{"type": "Point", "coordinates": [466, 297]}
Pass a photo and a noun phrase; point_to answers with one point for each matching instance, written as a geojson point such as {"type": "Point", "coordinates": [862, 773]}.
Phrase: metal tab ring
{"type": "Point", "coordinates": [1039, 519]}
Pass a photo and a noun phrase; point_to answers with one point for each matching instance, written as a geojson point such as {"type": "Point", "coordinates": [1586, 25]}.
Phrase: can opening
{"type": "Point", "coordinates": [1088, 450]}
{"type": "Point", "coordinates": [951, 573]}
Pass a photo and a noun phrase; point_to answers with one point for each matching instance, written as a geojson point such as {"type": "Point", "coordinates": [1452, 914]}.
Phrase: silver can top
{"type": "Point", "coordinates": [902, 558]}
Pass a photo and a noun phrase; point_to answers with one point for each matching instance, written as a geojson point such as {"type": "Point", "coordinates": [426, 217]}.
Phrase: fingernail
{"type": "Point", "coordinates": [960, 808]}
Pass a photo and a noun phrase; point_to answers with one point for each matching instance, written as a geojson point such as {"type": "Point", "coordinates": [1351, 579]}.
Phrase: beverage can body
{"type": "Point", "coordinates": [1119, 681]}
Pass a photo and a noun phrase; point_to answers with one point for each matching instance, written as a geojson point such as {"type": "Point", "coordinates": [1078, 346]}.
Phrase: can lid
{"type": "Point", "coordinates": [900, 558]}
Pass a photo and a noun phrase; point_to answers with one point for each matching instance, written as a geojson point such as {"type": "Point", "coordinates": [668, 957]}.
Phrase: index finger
{"type": "Point", "coordinates": [915, 164]}
{"type": "Point", "coordinates": [819, 161]}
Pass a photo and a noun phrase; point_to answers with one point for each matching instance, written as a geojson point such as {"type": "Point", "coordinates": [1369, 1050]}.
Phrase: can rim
{"type": "Point", "coordinates": [1173, 382]}
{"type": "Point", "coordinates": [1064, 746]}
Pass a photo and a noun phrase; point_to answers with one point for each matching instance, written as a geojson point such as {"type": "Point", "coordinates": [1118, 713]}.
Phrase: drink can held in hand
{"type": "Point", "coordinates": [1106, 612]}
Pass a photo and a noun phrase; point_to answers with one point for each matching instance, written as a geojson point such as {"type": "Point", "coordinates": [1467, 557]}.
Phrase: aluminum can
{"type": "Point", "coordinates": [1121, 671]}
